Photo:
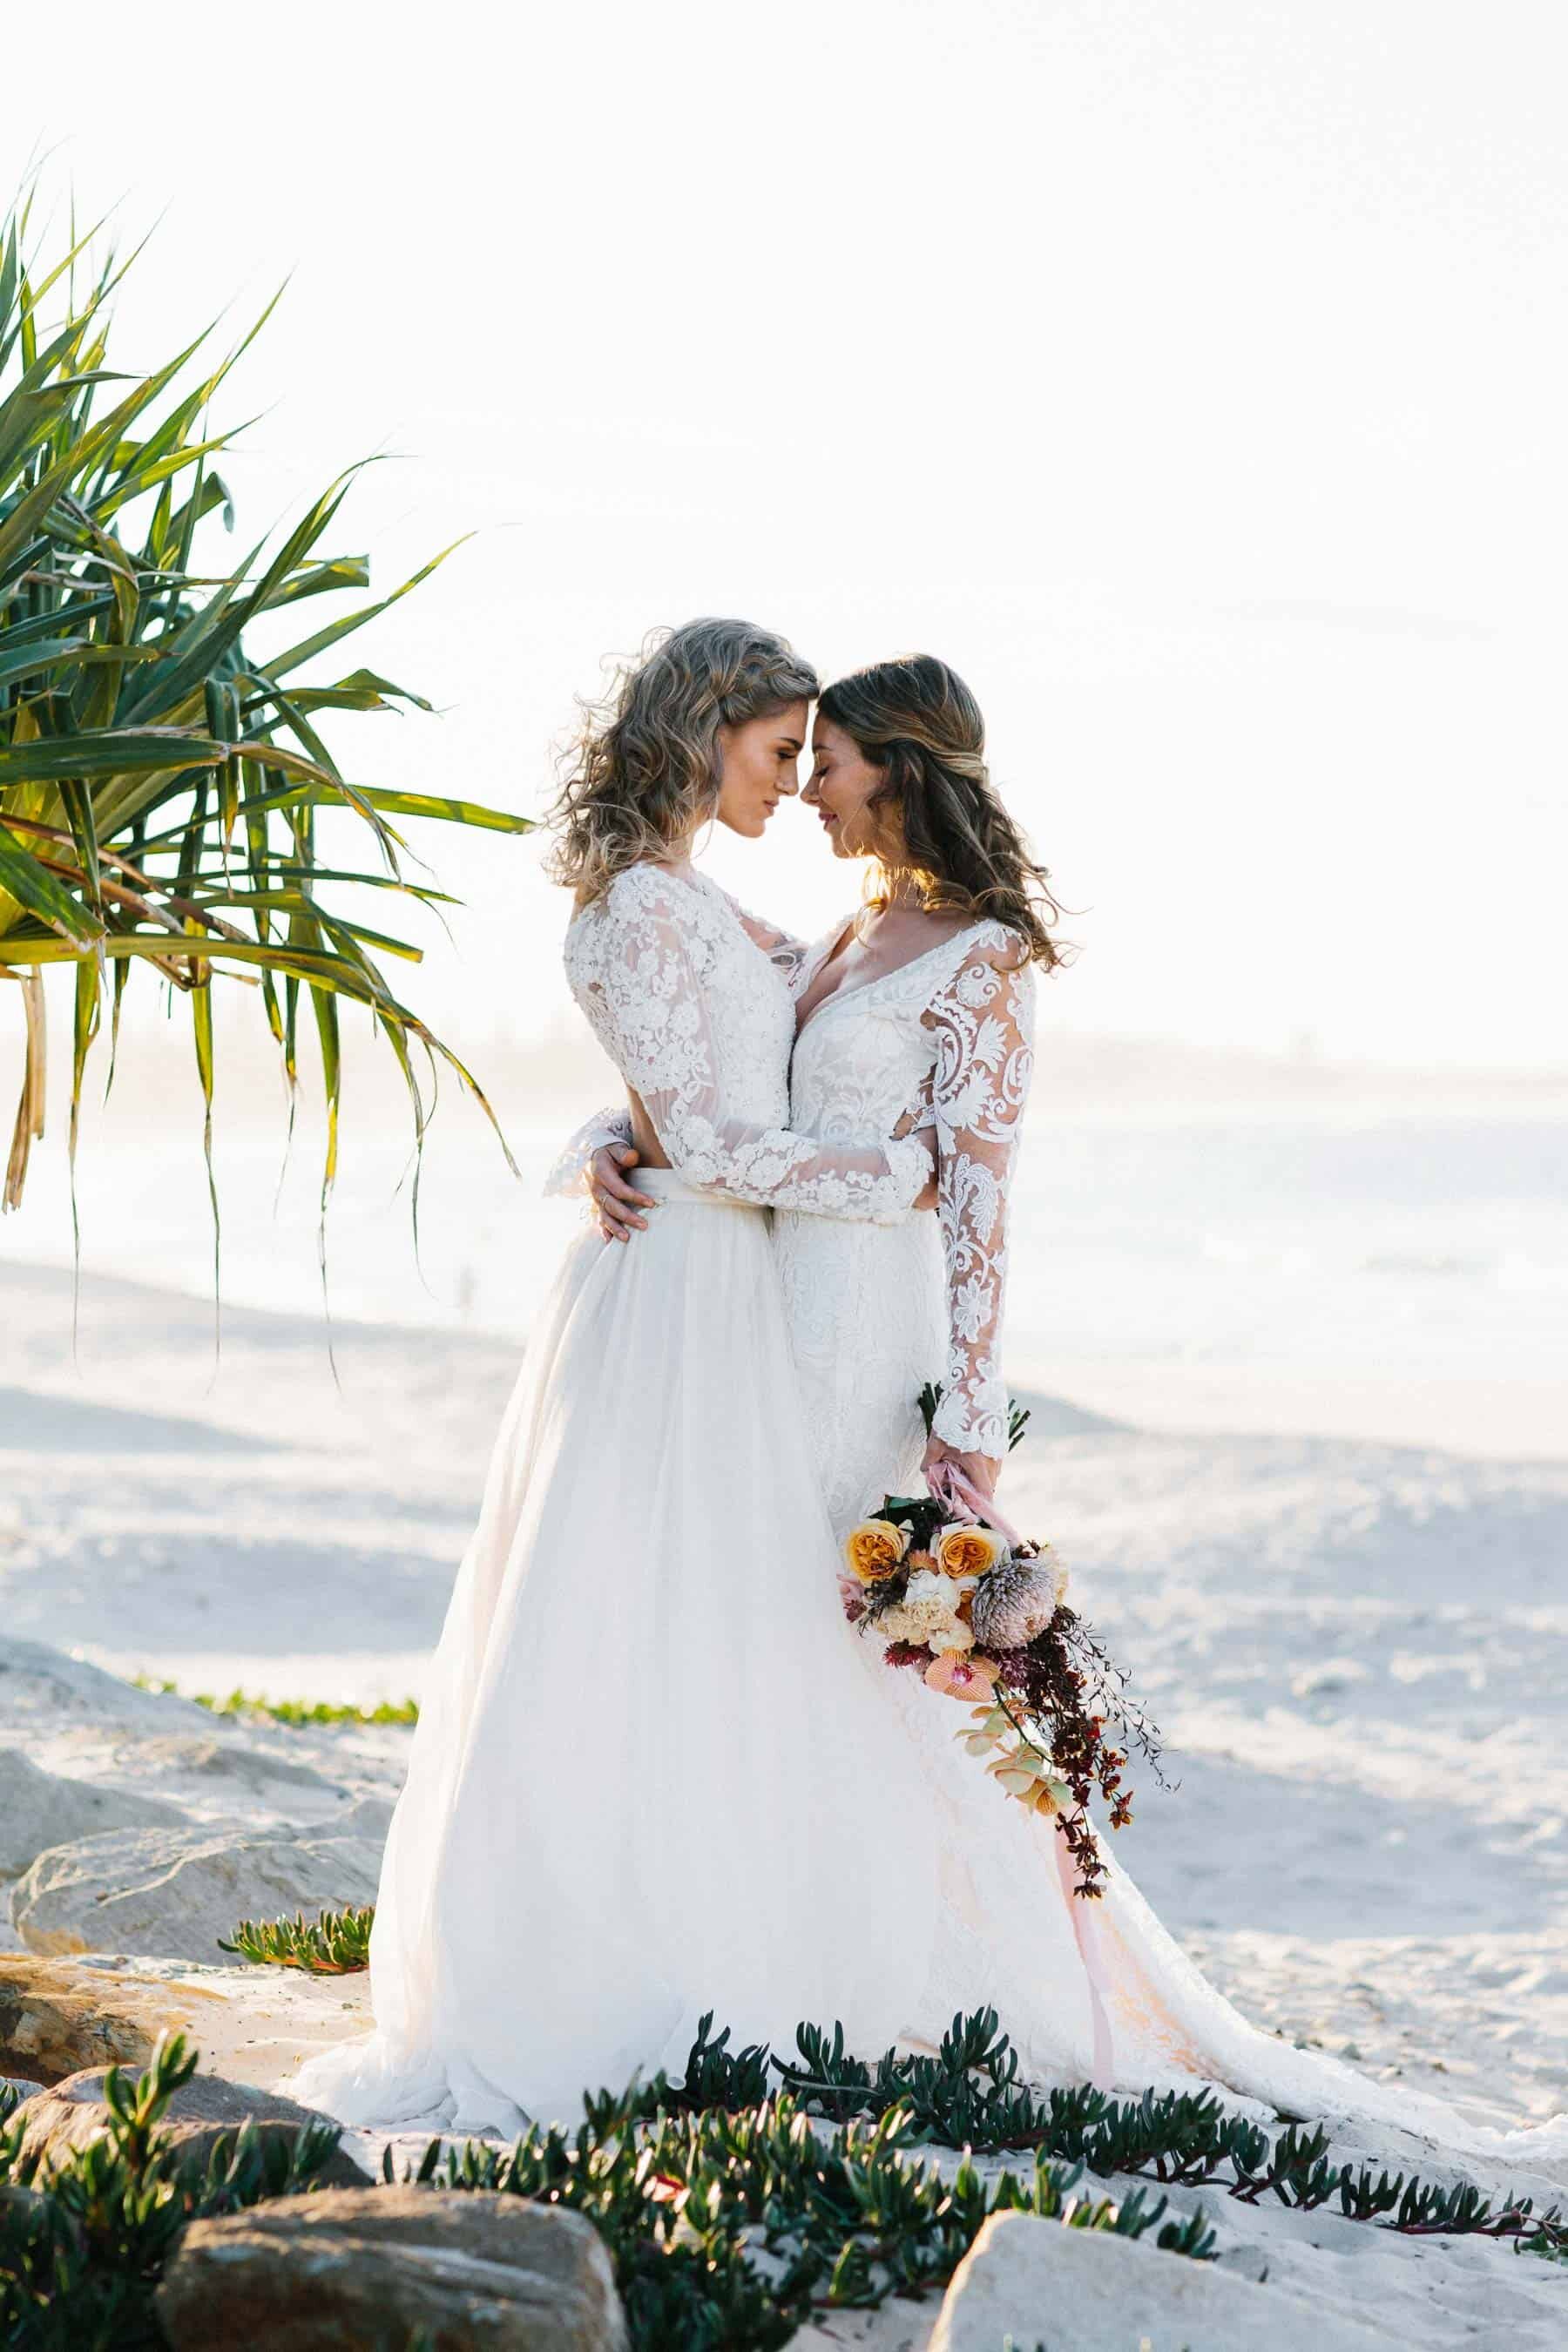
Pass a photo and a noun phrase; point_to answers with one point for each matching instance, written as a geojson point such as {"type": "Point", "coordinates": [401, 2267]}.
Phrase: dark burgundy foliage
{"type": "Point", "coordinates": [1059, 1692]}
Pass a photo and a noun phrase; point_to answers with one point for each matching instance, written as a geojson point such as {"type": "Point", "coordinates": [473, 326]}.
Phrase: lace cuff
{"type": "Point", "coordinates": [570, 1174]}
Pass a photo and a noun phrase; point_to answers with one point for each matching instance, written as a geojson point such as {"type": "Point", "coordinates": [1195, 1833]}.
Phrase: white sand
{"type": "Point", "coordinates": [1358, 1652]}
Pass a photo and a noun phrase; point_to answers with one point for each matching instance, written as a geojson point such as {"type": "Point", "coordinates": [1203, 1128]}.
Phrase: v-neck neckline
{"type": "Point", "coordinates": [842, 995]}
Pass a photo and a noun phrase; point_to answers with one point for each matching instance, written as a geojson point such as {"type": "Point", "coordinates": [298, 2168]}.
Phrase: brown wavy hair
{"type": "Point", "coordinates": [642, 770]}
{"type": "Point", "coordinates": [917, 720]}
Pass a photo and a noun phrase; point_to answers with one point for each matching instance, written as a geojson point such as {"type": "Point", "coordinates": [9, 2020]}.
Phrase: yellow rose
{"type": "Point", "coordinates": [969, 1551]}
{"type": "Point", "coordinates": [874, 1549]}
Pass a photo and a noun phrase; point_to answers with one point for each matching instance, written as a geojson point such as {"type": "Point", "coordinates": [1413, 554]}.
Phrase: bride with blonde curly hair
{"type": "Point", "coordinates": [631, 1792]}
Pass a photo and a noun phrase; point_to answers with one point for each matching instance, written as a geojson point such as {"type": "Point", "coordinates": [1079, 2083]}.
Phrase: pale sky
{"type": "Point", "coordinates": [1191, 374]}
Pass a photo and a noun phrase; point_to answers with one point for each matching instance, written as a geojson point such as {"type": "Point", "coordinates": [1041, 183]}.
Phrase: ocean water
{"type": "Point", "coordinates": [1403, 1278]}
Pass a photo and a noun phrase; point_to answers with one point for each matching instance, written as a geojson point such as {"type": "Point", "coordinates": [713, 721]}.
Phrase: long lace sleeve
{"type": "Point", "coordinates": [985, 1056]}
{"type": "Point", "coordinates": [645, 996]}
{"type": "Point", "coordinates": [570, 1174]}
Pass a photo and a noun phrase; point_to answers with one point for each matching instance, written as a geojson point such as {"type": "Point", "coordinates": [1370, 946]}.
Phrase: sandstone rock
{"type": "Point", "coordinates": [21, 2086]}
{"type": "Point", "coordinates": [57, 2017]}
{"type": "Point", "coordinates": [41, 1688]}
{"type": "Point", "coordinates": [368, 2267]}
{"type": "Point", "coordinates": [73, 2112]}
{"type": "Point", "coordinates": [225, 1758]}
{"type": "Point", "coordinates": [1088, 2290]}
{"type": "Point", "coordinates": [175, 1892]}
{"type": "Point", "coordinates": [40, 1810]}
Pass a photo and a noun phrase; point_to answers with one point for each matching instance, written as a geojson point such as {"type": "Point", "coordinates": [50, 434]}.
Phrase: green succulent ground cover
{"type": "Point", "coordinates": [734, 2204]}
{"type": "Point", "coordinates": [333, 1944]}
{"type": "Point", "coordinates": [82, 2248]}
{"type": "Point", "coordinates": [303, 1713]}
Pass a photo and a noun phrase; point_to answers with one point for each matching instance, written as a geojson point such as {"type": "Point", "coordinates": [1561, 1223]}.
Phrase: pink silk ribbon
{"type": "Point", "coordinates": [957, 1492]}
{"type": "Point", "coordinates": [1086, 1934]}
{"type": "Point", "coordinates": [953, 1487]}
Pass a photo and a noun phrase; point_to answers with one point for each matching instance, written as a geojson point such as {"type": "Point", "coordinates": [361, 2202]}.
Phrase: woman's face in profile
{"type": "Point", "coordinates": [758, 767]}
{"type": "Point", "coordinates": [841, 788]}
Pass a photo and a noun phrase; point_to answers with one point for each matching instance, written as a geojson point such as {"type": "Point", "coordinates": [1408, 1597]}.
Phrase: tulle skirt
{"type": "Point", "coordinates": [648, 1778]}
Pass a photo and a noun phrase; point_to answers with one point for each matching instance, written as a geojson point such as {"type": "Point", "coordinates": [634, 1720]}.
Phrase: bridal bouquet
{"type": "Point", "coordinates": [981, 1612]}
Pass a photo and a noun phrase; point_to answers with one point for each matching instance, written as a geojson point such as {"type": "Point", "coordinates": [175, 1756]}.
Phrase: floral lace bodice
{"type": "Point", "coordinates": [696, 1013]}
{"type": "Point", "coordinates": [947, 1038]}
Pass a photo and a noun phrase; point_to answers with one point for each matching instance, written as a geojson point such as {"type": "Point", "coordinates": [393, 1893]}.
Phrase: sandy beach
{"type": "Point", "coordinates": [1359, 1652]}
{"type": "Point", "coordinates": [1357, 1648]}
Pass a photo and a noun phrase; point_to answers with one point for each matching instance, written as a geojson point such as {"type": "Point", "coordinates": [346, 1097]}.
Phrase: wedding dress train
{"type": "Point", "coordinates": [1088, 1989]}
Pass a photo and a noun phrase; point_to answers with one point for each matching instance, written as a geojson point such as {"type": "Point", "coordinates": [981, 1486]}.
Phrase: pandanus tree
{"type": "Point", "coordinates": [163, 781]}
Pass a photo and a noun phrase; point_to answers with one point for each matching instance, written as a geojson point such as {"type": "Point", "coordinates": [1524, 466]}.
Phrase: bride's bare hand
{"type": "Point", "coordinates": [619, 1209]}
{"type": "Point", "coordinates": [979, 1468]}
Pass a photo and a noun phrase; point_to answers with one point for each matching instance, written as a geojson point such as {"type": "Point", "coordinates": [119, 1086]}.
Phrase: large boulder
{"type": "Point", "coordinates": [74, 2112]}
{"type": "Point", "coordinates": [1088, 2290]}
{"type": "Point", "coordinates": [57, 2017]}
{"type": "Point", "coordinates": [40, 1810]}
{"type": "Point", "coordinates": [175, 1892]}
{"type": "Point", "coordinates": [478, 2271]}
{"type": "Point", "coordinates": [228, 1758]}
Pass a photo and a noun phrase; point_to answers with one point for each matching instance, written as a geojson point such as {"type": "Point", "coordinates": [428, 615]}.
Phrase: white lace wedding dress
{"type": "Point", "coordinates": [1088, 1989]}
{"type": "Point", "coordinates": [648, 1777]}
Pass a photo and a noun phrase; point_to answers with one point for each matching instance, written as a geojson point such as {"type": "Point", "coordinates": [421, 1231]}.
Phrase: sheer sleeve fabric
{"type": "Point", "coordinates": [570, 1173]}
{"type": "Point", "coordinates": [647, 1001]}
{"type": "Point", "coordinates": [782, 949]}
{"type": "Point", "coordinates": [984, 1021]}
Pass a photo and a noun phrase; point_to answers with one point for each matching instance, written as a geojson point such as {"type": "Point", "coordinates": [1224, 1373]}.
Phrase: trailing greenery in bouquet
{"type": "Point", "coordinates": [981, 1614]}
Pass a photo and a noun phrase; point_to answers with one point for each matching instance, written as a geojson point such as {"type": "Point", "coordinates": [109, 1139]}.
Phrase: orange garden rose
{"type": "Point", "coordinates": [874, 1549]}
{"type": "Point", "coordinates": [969, 1551]}
{"type": "Point", "coordinates": [979, 1613]}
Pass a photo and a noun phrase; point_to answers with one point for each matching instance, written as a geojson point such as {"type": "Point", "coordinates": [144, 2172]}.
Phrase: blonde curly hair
{"type": "Point", "coordinates": [642, 770]}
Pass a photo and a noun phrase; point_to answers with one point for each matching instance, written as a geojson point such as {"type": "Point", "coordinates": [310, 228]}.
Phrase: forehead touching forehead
{"type": "Point", "coordinates": [786, 726]}
{"type": "Point", "coordinates": [828, 736]}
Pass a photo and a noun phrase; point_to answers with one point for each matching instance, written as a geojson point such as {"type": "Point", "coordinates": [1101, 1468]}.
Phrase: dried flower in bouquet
{"type": "Point", "coordinates": [982, 1614]}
